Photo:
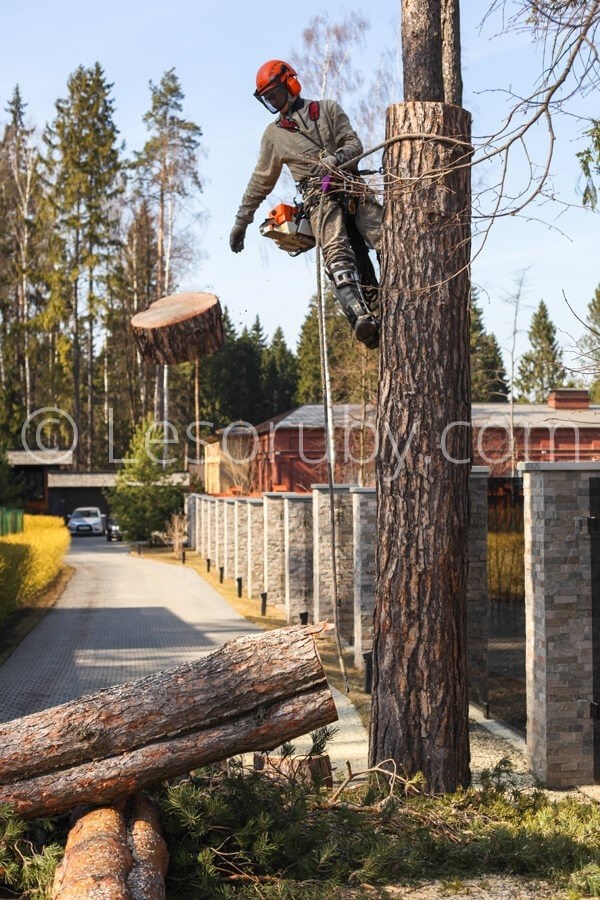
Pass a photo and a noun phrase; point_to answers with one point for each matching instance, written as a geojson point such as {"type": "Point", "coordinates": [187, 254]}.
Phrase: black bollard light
{"type": "Point", "coordinates": [368, 658]}
{"type": "Point", "coordinates": [183, 557]}
{"type": "Point", "coordinates": [208, 565]}
{"type": "Point", "coordinates": [263, 603]}
{"type": "Point", "coordinates": [304, 618]}
{"type": "Point", "coordinates": [221, 574]}
{"type": "Point", "coordinates": [238, 582]}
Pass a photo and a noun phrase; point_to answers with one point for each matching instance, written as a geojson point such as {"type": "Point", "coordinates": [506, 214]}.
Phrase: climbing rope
{"type": "Point", "coordinates": [357, 188]}
{"type": "Point", "coordinates": [329, 449]}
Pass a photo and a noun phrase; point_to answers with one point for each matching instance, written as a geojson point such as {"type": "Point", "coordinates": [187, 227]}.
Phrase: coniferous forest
{"type": "Point", "coordinates": [89, 235]}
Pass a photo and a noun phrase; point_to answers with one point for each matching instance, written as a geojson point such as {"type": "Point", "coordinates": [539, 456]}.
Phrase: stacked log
{"type": "Point", "coordinates": [254, 693]}
{"type": "Point", "coordinates": [114, 853]}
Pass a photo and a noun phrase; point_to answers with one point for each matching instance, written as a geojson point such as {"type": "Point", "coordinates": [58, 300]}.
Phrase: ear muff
{"type": "Point", "coordinates": [293, 85]}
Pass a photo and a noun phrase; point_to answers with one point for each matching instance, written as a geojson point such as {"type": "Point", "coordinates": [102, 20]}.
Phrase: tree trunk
{"type": "Point", "coordinates": [422, 49]}
{"type": "Point", "coordinates": [114, 852]}
{"type": "Point", "coordinates": [251, 694]}
{"type": "Point", "coordinates": [451, 62]}
{"type": "Point", "coordinates": [420, 704]}
{"type": "Point", "coordinates": [179, 328]}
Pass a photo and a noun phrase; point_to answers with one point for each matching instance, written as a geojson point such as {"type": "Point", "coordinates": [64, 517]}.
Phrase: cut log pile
{"type": "Point", "coordinates": [114, 853]}
{"type": "Point", "coordinates": [254, 693]}
{"type": "Point", "coordinates": [179, 328]}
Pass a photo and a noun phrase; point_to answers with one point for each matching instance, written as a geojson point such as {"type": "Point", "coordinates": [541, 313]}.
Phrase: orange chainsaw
{"type": "Point", "coordinates": [290, 228]}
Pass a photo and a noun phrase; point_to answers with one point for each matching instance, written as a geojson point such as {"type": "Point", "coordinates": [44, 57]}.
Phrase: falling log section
{"type": "Point", "coordinates": [179, 328]}
{"type": "Point", "coordinates": [251, 694]}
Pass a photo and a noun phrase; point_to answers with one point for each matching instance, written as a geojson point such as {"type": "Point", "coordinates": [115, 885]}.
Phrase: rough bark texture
{"type": "Point", "coordinates": [420, 703]}
{"type": "Point", "coordinates": [422, 50]}
{"type": "Point", "coordinates": [251, 694]}
{"type": "Point", "coordinates": [179, 328]}
{"type": "Point", "coordinates": [451, 61]}
{"type": "Point", "coordinates": [114, 853]}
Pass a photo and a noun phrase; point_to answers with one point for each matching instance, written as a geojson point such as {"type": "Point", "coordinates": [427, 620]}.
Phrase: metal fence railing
{"type": "Point", "coordinates": [11, 521]}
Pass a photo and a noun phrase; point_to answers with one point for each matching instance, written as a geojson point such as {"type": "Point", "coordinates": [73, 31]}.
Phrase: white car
{"type": "Point", "coordinates": [86, 520]}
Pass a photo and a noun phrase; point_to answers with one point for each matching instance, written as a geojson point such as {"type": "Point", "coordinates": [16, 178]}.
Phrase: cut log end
{"type": "Point", "coordinates": [179, 328]}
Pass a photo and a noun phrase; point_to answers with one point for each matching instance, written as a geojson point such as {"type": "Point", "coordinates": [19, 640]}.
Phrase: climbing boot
{"type": "Point", "coordinates": [351, 298]}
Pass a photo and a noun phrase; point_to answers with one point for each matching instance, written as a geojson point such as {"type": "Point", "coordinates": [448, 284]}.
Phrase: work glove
{"type": "Point", "coordinates": [236, 238]}
{"type": "Point", "coordinates": [328, 163]}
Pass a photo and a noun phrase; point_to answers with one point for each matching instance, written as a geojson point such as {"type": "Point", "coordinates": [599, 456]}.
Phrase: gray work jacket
{"type": "Point", "coordinates": [331, 133]}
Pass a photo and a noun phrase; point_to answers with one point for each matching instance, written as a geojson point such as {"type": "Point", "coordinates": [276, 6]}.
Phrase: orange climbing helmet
{"type": "Point", "coordinates": [276, 80]}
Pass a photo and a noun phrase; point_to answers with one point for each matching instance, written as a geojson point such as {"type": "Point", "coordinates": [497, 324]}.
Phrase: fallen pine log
{"type": "Point", "coordinates": [251, 694]}
{"type": "Point", "coordinates": [115, 853]}
{"type": "Point", "coordinates": [179, 328]}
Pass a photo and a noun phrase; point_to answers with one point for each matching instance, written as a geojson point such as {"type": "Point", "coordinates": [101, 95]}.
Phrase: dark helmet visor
{"type": "Point", "coordinates": [273, 97]}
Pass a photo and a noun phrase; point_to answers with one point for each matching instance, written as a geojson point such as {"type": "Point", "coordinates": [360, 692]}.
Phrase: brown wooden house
{"type": "Point", "coordinates": [287, 453]}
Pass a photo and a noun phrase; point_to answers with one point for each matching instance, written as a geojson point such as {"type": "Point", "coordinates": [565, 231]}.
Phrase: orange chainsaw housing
{"type": "Point", "coordinates": [289, 228]}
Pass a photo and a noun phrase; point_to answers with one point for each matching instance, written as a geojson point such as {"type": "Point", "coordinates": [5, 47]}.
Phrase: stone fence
{"type": "Point", "coordinates": [280, 545]}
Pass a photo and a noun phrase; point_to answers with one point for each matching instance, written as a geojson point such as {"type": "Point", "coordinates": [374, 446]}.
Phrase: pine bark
{"type": "Point", "coordinates": [114, 853]}
{"type": "Point", "coordinates": [251, 694]}
{"type": "Point", "coordinates": [422, 49]}
{"type": "Point", "coordinates": [179, 328]}
{"type": "Point", "coordinates": [420, 703]}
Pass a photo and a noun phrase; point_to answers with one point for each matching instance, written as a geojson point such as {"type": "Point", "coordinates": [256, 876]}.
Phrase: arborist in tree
{"type": "Point", "coordinates": [313, 138]}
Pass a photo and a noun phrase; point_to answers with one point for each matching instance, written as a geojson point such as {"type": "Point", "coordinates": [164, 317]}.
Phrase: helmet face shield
{"type": "Point", "coordinates": [274, 96]}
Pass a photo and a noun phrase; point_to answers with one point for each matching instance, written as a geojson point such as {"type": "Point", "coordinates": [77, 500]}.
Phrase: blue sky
{"type": "Point", "coordinates": [215, 50]}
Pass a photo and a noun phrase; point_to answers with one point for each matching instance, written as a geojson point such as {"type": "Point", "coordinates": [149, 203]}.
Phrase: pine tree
{"type": "Point", "coordinates": [167, 168]}
{"type": "Point", "coordinates": [488, 375]}
{"type": "Point", "coordinates": [83, 162]}
{"type": "Point", "coordinates": [540, 369]}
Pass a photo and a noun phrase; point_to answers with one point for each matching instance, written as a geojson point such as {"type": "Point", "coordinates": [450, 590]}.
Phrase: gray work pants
{"type": "Point", "coordinates": [327, 221]}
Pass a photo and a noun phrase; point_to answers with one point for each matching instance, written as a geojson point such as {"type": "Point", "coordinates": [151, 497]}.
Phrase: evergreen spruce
{"type": "Point", "coordinates": [342, 353]}
{"type": "Point", "coordinates": [488, 376]}
{"type": "Point", "coordinates": [590, 345]}
{"type": "Point", "coordinates": [143, 498]}
{"type": "Point", "coordinates": [540, 369]}
{"type": "Point", "coordinates": [280, 376]}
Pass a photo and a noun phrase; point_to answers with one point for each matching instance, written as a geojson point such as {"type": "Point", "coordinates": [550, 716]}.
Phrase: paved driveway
{"type": "Point", "coordinates": [121, 617]}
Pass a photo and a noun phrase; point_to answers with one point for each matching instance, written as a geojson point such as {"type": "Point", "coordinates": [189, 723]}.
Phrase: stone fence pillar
{"type": "Point", "coordinates": [255, 547]}
{"type": "Point", "coordinates": [298, 555]}
{"type": "Point", "coordinates": [240, 532]}
{"type": "Point", "coordinates": [228, 537]}
{"type": "Point", "coordinates": [274, 579]}
{"type": "Point", "coordinates": [323, 587]}
{"type": "Point", "coordinates": [562, 616]}
{"type": "Point", "coordinates": [219, 532]}
{"type": "Point", "coordinates": [364, 514]}
{"type": "Point", "coordinates": [204, 547]}
{"type": "Point", "coordinates": [211, 530]}
{"type": "Point", "coordinates": [192, 507]}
